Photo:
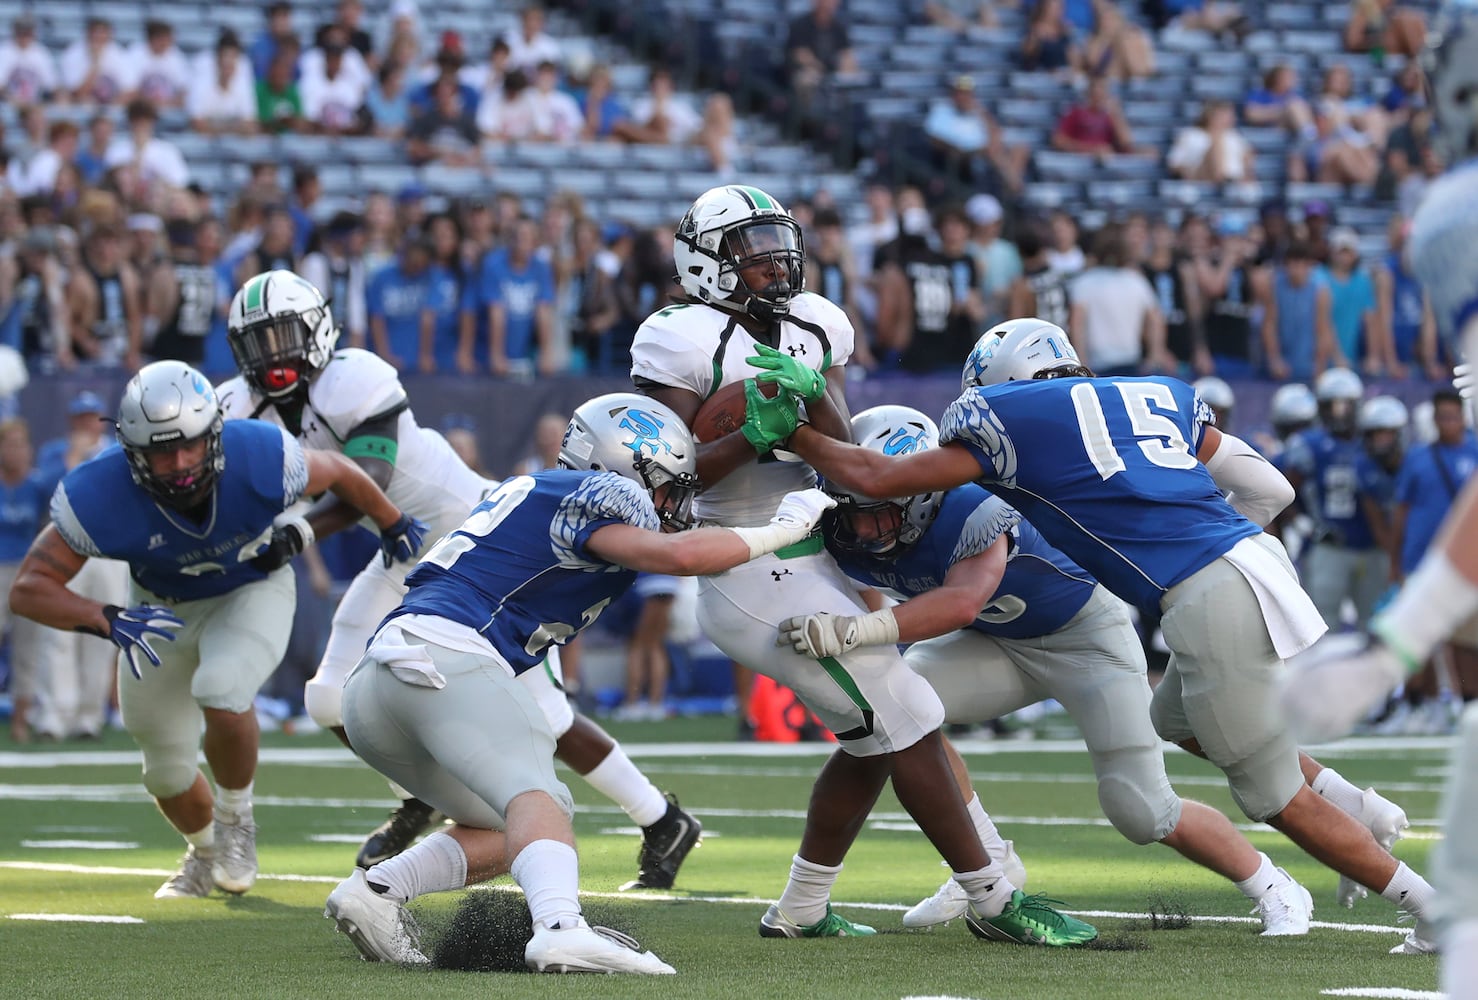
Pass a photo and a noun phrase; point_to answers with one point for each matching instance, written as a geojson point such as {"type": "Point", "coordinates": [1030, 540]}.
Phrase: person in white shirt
{"type": "Point", "coordinates": [1117, 327]}
{"type": "Point", "coordinates": [1212, 149]}
{"type": "Point", "coordinates": [223, 97]}
{"type": "Point", "coordinates": [312, 66]}
{"type": "Point", "coordinates": [528, 45]}
{"type": "Point", "coordinates": [662, 116]}
{"type": "Point", "coordinates": [552, 115]}
{"type": "Point", "coordinates": [37, 174]}
{"type": "Point", "coordinates": [95, 69]}
{"type": "Point", "coordinates": [332, 90]}
{"type": "Point", "coordinates": [158, 69]}
{"type": "Point", "coordinates": [28, 70]}
{"type": "Point", "coordinates": [487, 77]}
{"type": "Point", "coordinates": [156, 161]}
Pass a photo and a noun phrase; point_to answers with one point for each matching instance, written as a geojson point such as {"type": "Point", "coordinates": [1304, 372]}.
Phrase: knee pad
{"type": "Point", "coordinates": [324, 702]}
{"type": "Point", "coordinates": [169, 771]}
{"type": "Point", "coordinates": [1140, 811]}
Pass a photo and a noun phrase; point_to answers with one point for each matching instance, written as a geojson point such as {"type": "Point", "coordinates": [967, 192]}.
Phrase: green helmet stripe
{"type": "Point", "coordinates": [254, 293]}
{"type": "Point", "coordinates": [761, 200]}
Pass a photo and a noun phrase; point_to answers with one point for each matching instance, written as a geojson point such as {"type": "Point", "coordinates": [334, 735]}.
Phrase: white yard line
{"type": "Point", "coordinates": [80, 845]}
{"type": "Point", "coordinates": [1384, 993]}
{"type": "Point", "coordinates": [76, 918]}
{"type": "Point", "coordinates": [667, 897]}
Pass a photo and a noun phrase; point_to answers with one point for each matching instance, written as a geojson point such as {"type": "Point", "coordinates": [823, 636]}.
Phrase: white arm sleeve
{"type": "Point", "coordinates": [1256, 489]}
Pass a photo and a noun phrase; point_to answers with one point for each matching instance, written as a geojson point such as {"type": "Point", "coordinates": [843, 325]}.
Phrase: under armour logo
{"type": "Point", "coordinates": [156, 542]}
{"type": "Point", "coordinates": [778, 573]}
{"type": "Point", "coordinates": [796, 349]}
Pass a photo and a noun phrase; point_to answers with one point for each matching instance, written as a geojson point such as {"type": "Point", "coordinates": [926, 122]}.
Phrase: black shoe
{"type": "Point", "coordinates": [664, 846]}
{"type": "Point", "coordinates": [405, 824]}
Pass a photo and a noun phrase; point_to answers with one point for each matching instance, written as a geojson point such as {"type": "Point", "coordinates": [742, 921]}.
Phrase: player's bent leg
{"type": "Point", "coordinates": [1383, 818]}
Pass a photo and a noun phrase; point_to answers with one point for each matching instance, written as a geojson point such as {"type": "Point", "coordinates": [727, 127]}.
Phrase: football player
{"type": "Point", "coordinates": [435, 703]}
{"type": "Point", "coordinates": [998, 620]}
{"type": "Point", "coordinates": [194, 508]}
{"type": "Point", "coordinates": [741, 263]}
{"type": "Point", "coordinates": [1331, 693]}
{"type": "Point", "coordinates": [1126, 477]}
{"type": "Point", "coordinates": [282, 335]}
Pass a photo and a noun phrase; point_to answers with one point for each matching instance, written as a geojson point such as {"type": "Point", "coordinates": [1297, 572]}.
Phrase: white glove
{"type": "Point", "coordinates": [1338, 682]}
{"type": "Point", "coordinates": [1464, 382]}
{"type": "Point", "coordinates": [794, 519]}
{"type": "Point", "coordinates": [826, 634]}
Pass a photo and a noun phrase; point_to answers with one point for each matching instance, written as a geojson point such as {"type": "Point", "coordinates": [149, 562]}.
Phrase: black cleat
{"type": "Point", "coordinates": [664, 846]}
{"type": "Point", "coordinates": [407, 822]}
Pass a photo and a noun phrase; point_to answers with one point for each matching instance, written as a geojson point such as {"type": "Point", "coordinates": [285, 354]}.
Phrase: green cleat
{"type": "Point", "coordinates": [775, 924]}
{"type": "Point", "coordinates": [1032, 920]}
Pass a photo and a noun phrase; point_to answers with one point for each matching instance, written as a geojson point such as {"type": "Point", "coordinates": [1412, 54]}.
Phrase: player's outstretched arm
{"type": "Point", "coordinates": [705, 551]}
{"type": "Point", "coordinates": [332, 472]}
{"type": "Point", "coordinates": [874, 474]}
{"type": "Point", "coordinates": [1254, 488]}
{"type": "Point", "coordinates": [40, 590]}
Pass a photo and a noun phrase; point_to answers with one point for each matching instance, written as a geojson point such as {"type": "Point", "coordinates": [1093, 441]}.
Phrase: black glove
{"type": "Point", "coordinates": [287, 541]}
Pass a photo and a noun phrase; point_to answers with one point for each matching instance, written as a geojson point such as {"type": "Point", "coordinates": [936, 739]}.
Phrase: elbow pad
{"type": "Point", "coordinates": [1254, 488]}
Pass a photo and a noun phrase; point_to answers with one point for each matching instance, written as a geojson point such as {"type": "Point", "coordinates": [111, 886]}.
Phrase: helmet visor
{"type": "Point", "coordinates": [871, 528]}
{"type": "Point", "coordinates": [273, 354]}
{"type": "Point", "coordinates": [774, 242]}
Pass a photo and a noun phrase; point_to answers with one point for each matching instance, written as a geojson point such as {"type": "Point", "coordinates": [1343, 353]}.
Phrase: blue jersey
{"type": "Point", "coordinates": [1106, 470]}
{"type": "Point", "coordinates": [1040, 592]}
{"type": "Point", "coordinates": [517, 570]}
{"type": "Point", "coordinates": [21, 515]}
{"type": "Point", "coordinates": [399, 299]}
{"type": "Point", "coordinates": [101, 512]}
{"type": "Point", "coordinates": [1430, 480]}
{"type": "Point", "coordinates": [1330, 467]}
{"type": "Point", "coordinates": [450, 296]}
{"type": "Point", "coordinates": [520, 291]}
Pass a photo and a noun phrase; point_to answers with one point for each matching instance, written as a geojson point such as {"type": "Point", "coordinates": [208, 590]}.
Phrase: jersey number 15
{"type": "Point", "coordinates": [1158, 437]}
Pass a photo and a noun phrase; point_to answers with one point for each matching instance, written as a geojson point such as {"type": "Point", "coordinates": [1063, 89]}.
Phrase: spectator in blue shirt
{"type": "Point", "coordinates": [264, 46]}
{"type": "Point", "coordinates": [89, 160]}
{"type": "Point", "coordinates": [86, 436]}
{"type": "Point", "coordinates": [604, 113]}
{"type": "Point", "coordinates": [1295, 324]}
{"type": "Point", "coordinates": [399, 297]}
{"type": "Point", "coordinates": [1359, 335]}
{"type": "Point", "coordinates": [23, 500]}
{"type": "Point", "coordinates": [453, 300]}
{"type": "Point", "coordinates": [1430, 479]}
{"type": "Point", "coordinates": [518, 293]}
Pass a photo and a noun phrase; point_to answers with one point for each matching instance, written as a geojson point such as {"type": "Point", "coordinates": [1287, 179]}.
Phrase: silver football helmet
{"type": "Point", "coordinates": [643, 440]}
{"type": "Point", "coordinates": [885, 528]}
{"type": "Point", "coordinates": [281, 333]}
{"type": "Point", "coordinates": [1017, 349]}
{"type": "Point", "coordinates": [1382, 423]}
{"type": "Point", "coordinates": [1339, 391]}
{"type": "Point", "coordinates": [728, 229]}
{"type": "Point", "coordinates": [1293, 408]}
{"type": "Point", "coordinates": [166, 405]}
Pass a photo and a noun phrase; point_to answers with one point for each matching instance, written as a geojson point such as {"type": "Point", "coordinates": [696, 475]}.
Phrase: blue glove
{"type": "Point", "coordinates": [130, 628]}
{"type": "Point", "coordinates": [402, 540]}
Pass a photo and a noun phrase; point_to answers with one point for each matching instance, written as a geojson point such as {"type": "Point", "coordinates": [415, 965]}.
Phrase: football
{"type": "Point", "coordinates": [723, 412]}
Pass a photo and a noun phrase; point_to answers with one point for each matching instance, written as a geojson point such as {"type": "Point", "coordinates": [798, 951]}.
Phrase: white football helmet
{"type": "Point", "coordinates": [1339, 391]}
{"type": "Point", "coordinates": [281, 333]}
{"type": "Point", "coordinates": [728, 229]}
{"type": "Point", "coordinates": [1017, 350]}
{"type": "Point", "coordinates": [1383, 413]}
{"type": "Point", "coordinates": [165, 405]}
{"type": "Point", "coordinates": [885, 528]}
{"type": "Point", "coordinates": [641, 439]}
{"type": "Point", "coordinates": [1293, 408]}
{"type": "Point", "coordinates": [1215, 391]}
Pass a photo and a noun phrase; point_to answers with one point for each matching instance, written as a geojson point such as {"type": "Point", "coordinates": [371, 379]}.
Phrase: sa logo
{"type": "Point", "coordinates": [905, 441]}
{"type": "Point", "coordinates": [647, 432]}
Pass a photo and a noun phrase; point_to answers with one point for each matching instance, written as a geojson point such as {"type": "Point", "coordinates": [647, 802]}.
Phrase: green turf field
{"type": "Point", "coordinates": [79, 837]}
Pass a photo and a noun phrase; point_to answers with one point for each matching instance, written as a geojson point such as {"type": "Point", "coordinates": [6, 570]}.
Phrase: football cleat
{"type": "Point", "coordinates": [193, 880]}
{"type": "Point", "coordinates": [1386, 821]}
{"type": "Point", "coordinates": [1420, 940]}
{"type": "Point", "coordinates": [379, 926]}
{"type": "Point", "coordinates": [1285, 909]}
{"type": "Point", "coordinates": [1031, 920]}
{"type": "Point", "coordinates": [775, 924]}
{"type": "Point", "coordinates": [951, 900]}
{"type": "Point", "coordinates": [664, 846]}
{"type": "Point", "coordinates": [584, 948]}
{"type": "Point", "coordinates": [407, 822]}
{"type": "Point", "coordinates": [235, 866]}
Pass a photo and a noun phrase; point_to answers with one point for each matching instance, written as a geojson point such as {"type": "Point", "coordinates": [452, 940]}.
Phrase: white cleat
{"type": "Point", "coordinates": [583, 948]}
{"type": "Point", "coordinates": [378, 925]}
{"type": "Point", "coordinates": [1420, 940]}
{"type": "Point", "coordinates": [950, 902]}
{"type": "Point", "coordinates": [192, 881]}
{"type": "Point", "coordinates": [235, 866]}
{"type": "Point", "coordinates": [1285, 909]}
{"type": "Point", "coordinates": [1386, 821]}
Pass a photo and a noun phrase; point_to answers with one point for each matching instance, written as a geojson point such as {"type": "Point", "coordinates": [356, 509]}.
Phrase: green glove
{"type": "Point", "coordinates": [767, 422]}
{"type": "Point", "coordinates": [788, 373]}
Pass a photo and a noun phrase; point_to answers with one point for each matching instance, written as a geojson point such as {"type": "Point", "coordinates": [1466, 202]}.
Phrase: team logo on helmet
{"type": "Point", "coordinates": [647, 431]}
{"type": "Point", "coordinates": [906, 441]}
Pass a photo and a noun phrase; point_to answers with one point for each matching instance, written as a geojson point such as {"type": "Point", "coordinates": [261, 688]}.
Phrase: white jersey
{"type": "Point", "coordinates": [430, 481]}
{"type": "Point", "coordinates": [702, 349]}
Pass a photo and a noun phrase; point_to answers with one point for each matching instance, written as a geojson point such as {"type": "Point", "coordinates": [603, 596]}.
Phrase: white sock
{"type": "Point", "coordinates": [1259, 882]}
{"type": "Point", "coordinates": [1409, 891]}
{"type": "Point", "coordinates": [204, 841]}
{"type": "Point", "coordinates": [436, 864]}
{"type": "Point", "coordinates": [989, 889]}
{"type": "Point", "coordinates": [234, 802]}
{"type": "Point", "coordinates": [548, 872]}
{"type": "Point", "coordinates": [1345, 797]}
{"type": "Point", "coordinates": [985, 829]}
{"type": "Point", "coordinates": [618, 779]}
{"type": "Point", "coordinates": [1435, 601]}
{"type": "Point", "coordinates": [808, 890]}
{"type": "Point", "coordinates": [1460, 958]}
